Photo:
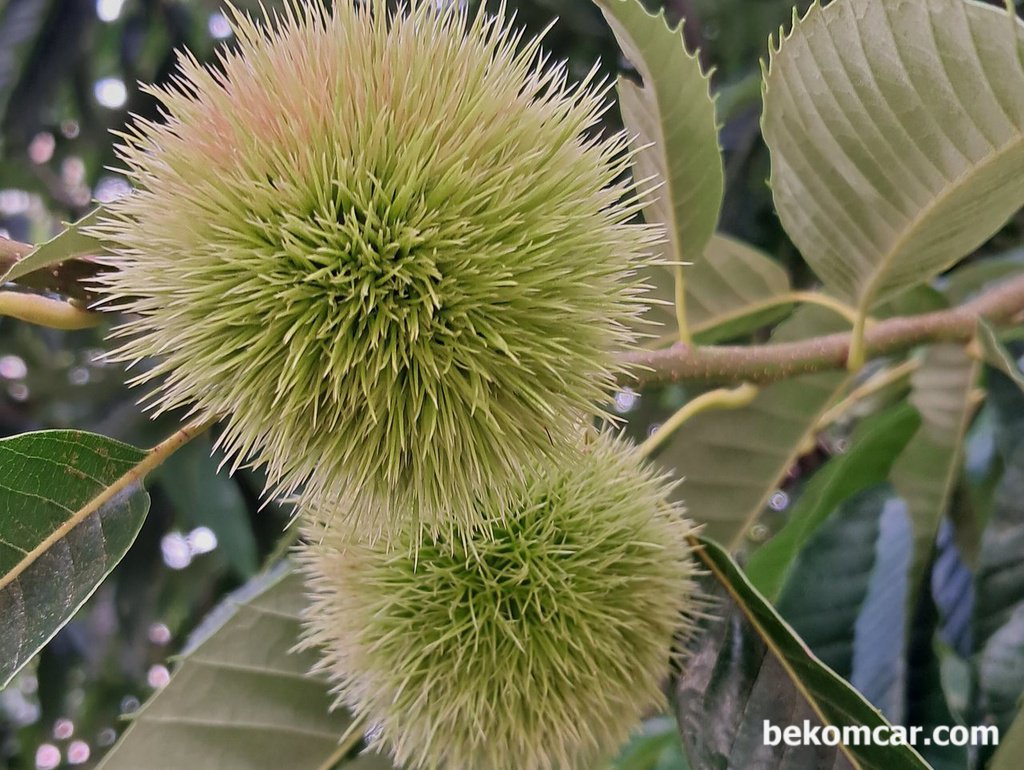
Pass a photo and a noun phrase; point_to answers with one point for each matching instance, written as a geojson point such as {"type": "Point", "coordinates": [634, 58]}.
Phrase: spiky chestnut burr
{"type": "Point", "coordinates": [388, 249]}
{"type": "Point", "coordinates": [536, 641]}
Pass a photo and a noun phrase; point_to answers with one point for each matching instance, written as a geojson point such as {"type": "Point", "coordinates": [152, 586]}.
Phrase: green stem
{"type": "Point", "coordinates": [722, 398]}
{"type": "Point", "coordinates": [684, 325]}
{"type": "Point", "coordinates": [149, 463]}
{"type": "Point", "coordinates": [858, 353]}
{"type": "Point", "coordinates": [349, 741]}
{"type": "Point", "coordinates": [791, 298]}
{"type": "Point", "coordinates": [823, 300]}
{"type": "Point", "coordinates": [46, 312]}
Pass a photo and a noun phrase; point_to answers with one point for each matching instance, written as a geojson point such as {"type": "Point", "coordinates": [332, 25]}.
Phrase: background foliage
{"type": "Point", "coordinates": [945, 646]}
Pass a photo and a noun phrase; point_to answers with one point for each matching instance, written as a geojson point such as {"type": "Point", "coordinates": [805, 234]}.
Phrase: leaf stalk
{"type": "Point", "coordinates": [44, 311]}
{"type": "Point", "coordinates": [722, 398]}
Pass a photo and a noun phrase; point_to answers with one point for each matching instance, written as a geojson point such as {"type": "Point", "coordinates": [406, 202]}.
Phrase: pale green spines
{"type": "Point", "coordinates": [536, 642]}
{"type": "Point", "coordinates": [387, 250]}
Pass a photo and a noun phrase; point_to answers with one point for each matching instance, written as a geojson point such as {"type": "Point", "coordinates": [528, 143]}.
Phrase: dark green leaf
{"type": "Point", "coordinates": [999, 583]}
{"type": "Point", "coordinates": [61, 532]}
{"type": "Point", "coordinates": [1007, 402]}
{"type": "Point", "coordinates": [999, 611]}
{"type": "Point", "coordinates": [875, 445]}
{"type": "Point", "coordinates": [204, 497]}
{"type": "Point", "coordinates": [928, 705]}
{"type": "Point", "coordinates": [846, 592]}
{"type": "Point", "coordinates": [747, 666]}
{"type": "Point", "coordinates": [1000, 673]}
{"type": "Point", "coordinates": [952, 590]}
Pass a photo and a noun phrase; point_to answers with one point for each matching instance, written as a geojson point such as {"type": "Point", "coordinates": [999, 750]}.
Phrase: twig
{"type": "Point", "coordinates": [352, 738]}
{"type": "Point", "coordinates": [721, 398]}
{"type": "Point", "coordinates": [46, 312]}
{"type": "Point", "coordinates": [150, 462]}
{"type": "Point", "coordinates": [1001, 306]}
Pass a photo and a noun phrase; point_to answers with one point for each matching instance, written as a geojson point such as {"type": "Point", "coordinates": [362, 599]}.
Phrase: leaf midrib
{"type": "Point", "coordinates": [126, 481]}
{"type": "Point", "coordinates": [955, 185]}
{"type": "Point", "coordinates": [724, 581]}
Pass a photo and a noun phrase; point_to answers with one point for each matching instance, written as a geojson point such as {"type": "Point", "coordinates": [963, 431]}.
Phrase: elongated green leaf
{"type": "Point", "coordinates": [747, 666]}
{"type": "Point", "coordinates": [970, 280]}
{"type": "Point", "coordinates": [733, 460]}
{"type": "Point", "coordinates": [926, 473]}
{"type": "Point", "coordinates": [73, 241]}
{"type": "Point", "coordinates": [999, 580]}
{"type": "Point", "coordinates": [673, 117]}
{"type": "Point", "coordinates": [1011, 748]}
{"type": "Point", "coordinates": [996, 353]}
{"type": "Point", "coordinates": [874, 447]}
{"type": "Point", "coordinates": [845, 595]}
{"type": "Point", "coordinates": [730, 288]}
{"type": "Point", "coordinates": [240, 699]}
{"type": "Point", "coordinates": [896, 131]}
{"type": "Point", "coordinates": [48, 565]}
{"type": "Point", "coordinates": [734, 289]}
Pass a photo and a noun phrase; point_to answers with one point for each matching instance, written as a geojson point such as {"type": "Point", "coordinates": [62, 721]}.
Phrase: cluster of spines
{"type": "Point", "coordinates": [396, 256]}
{"type": "Point", "coordinates": [538, 640]}
{"type": "Point", "coordinates": [419, 272]}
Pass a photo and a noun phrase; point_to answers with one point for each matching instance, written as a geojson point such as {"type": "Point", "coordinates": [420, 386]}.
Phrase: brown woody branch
{"type": "Point", "coordinates": [1002, 306]}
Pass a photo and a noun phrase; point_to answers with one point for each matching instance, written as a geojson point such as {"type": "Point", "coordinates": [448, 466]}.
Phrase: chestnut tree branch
{"type": "Point", "coordinates": [759, 364]}
{"type": "Point", "coordinates": [1002, 306]}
